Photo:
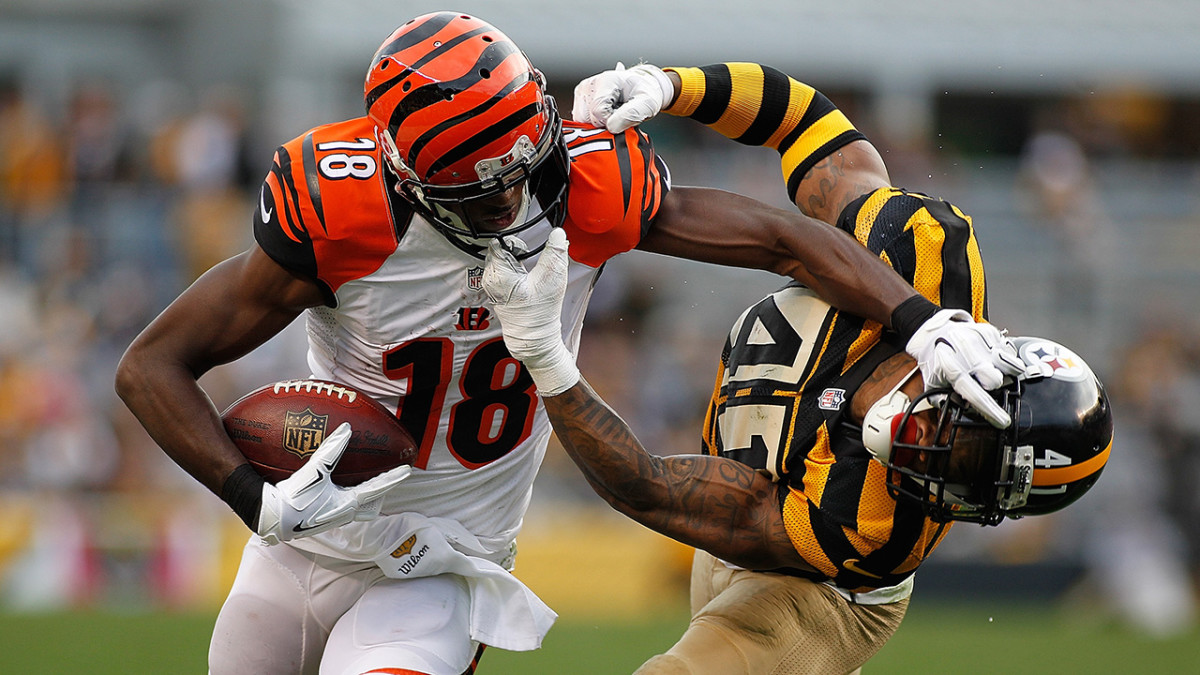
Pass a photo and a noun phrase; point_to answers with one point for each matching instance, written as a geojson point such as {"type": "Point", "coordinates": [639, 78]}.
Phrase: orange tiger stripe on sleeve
{"type": "Point", "coordinates": [617, 186]}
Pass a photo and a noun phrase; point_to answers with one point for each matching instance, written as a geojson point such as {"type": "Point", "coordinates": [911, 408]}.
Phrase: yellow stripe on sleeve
{"type": "Point", "coordinates": [744, 102]}
{"type": "Point", "coordinates": [691, 93]}
{"type": "Point", "coordinates": [800, 96]}
{"type": "Point", "coordinates": [821, 132]}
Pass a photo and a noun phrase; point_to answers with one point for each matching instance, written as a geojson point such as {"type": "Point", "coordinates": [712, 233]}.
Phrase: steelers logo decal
{"type": "Point", "coordinates": [1049, 359]}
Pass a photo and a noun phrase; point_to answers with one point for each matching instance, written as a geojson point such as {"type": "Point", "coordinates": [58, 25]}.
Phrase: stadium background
{"type": "Point", "coordinates": [133, 134]}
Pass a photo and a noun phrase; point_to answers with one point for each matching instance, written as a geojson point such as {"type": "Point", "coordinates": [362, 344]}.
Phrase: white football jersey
{"type": "Point", "coordinates": [419, 335]}
{"type": "Point", "coordinates": [407, 320]}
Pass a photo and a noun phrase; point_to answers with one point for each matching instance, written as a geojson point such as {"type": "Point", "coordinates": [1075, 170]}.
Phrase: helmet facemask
{"type": "Point", "coordinates": [538, 171]}
{"type": "Point", "coordinates": [1054, 451]}
{"type": "Point", "coordinates": [972, 471]}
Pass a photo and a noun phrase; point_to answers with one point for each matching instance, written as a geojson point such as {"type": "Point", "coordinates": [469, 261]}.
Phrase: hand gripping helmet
{"type": "Point", "coordinates": [1052, 453]}
{"type": "Point", "coordinates": [462, 116]}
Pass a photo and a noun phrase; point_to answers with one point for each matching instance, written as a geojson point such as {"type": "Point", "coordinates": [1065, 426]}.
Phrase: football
{"type": "Point", "coordinates": [278, 426]}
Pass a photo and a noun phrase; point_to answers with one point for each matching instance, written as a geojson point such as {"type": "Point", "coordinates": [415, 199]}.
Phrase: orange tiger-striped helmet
{"type": "Point", "coordinates": [463, 116]}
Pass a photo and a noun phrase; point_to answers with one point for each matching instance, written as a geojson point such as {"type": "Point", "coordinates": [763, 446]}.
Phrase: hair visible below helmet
{"type": "Point", "coordinates": [1052, 454]}
{"type": "Point", "coordinates": [462, 116]}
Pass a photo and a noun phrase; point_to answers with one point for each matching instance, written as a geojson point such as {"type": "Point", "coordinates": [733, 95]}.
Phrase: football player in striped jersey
{"type": "Point", "coordinates": [831, 472]}
{"type": "Point", "coordinates": [837, 456]}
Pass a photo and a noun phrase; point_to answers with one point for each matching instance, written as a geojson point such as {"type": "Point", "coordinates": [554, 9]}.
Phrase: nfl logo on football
{"type": "Point", "coordinates": [303, 431]}
{"type": "Point", "coordinates": [475, 278]}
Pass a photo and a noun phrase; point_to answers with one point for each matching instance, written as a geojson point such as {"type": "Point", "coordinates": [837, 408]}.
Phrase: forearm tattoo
{"type": "Point", "coordinates": [713, 503]}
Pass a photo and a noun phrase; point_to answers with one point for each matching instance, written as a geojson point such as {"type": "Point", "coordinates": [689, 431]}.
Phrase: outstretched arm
{"type": "Point", "coordinates": [713, 503]}
{"type": "Point", "coordinates": [826, 162]}
{"type": "Point", "coordinates": [717, 504]}
{"type": "Point", "coordinates": [726, 228]}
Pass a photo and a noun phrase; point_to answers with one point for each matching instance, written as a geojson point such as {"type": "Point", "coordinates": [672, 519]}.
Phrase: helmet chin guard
{"type": "Point", "coordinates": [883, 421]}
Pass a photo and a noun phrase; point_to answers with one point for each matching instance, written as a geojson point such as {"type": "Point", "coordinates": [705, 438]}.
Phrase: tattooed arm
{"type": "Point", "coordinates": [713, 503]}
{"type": "Point", "coordinates": [832, 183]}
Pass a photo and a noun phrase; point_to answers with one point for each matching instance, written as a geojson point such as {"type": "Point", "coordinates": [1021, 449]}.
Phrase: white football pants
{"type": "Point", "coordinates": [293, 612]}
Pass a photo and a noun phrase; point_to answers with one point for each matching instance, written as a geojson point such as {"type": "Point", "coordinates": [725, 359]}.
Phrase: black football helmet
{"type": "Point", "coordinates": [1052, 454]}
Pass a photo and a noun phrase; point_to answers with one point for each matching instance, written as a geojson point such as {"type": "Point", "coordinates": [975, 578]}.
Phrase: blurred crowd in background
{"type": "Point", "coordinates": [112, 203]}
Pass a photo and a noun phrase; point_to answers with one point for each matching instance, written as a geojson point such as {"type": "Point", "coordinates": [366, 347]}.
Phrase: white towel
{"type": "Point", "coordinates": [505, 613]}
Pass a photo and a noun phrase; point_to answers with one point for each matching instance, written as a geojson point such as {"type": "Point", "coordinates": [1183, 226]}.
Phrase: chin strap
{"type": "Point", "coordinates": [882, 420]}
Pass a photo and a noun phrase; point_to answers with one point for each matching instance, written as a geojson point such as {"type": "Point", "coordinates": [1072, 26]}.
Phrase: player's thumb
{"type": "Point", "coordinates": [552, 263]}
{"type": "Point", "coordinates": [501, 272]}
{"type": "Point", "coordinates": [981, 401]}
{"type": "Point", "coordinates": [500, 255]}
{"type": "Point", "coordinates": [327, 454]}
{"type": "Point", "coordinates": [377, 486]}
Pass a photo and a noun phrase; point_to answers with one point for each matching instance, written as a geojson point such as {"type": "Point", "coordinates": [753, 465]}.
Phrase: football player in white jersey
{"type": "Point", "coordinates": [375, 230]}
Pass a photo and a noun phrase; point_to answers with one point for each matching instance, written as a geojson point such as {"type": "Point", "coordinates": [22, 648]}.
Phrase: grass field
{"type": "Point", "coordinates": [933, 639]}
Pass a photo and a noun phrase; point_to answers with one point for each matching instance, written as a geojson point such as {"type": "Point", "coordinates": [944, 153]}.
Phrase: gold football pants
{"type": "Point", "coordinates": [758, 623]}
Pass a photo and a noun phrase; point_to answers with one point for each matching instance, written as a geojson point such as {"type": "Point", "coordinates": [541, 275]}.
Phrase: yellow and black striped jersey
{"type": "Point", "coordinates": [791, 365]}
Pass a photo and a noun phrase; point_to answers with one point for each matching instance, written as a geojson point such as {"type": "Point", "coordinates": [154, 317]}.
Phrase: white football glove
{"type": "Point", "coordinates": [621, 98]}
{"type": "Point", "coordinates": [529, 306]}
{"type": "Point", "coordinates": [308, 501]}
{"type": "Point", "coordinates": [954, 351]}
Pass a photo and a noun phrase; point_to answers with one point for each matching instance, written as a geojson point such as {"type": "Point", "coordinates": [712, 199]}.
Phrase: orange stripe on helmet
{"type": "Point", "coordinates": [1069, 474]}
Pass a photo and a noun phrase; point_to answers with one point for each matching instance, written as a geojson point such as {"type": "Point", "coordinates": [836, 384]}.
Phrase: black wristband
{"type": "Point", "coordinates": [910, 314]}
{"type": "Point", "coordinates": [242, 491]}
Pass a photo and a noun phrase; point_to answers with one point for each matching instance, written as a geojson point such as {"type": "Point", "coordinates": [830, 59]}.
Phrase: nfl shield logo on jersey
{"type": "Point", "coordinates": [832, 399]}
{"type": "Point", "coordinates": [475, 279]}
{"type": "Point", "coordinates": [303, 431]}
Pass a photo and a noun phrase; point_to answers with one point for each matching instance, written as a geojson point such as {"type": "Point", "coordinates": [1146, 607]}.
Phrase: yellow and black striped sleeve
{"type": "Point", "coordinates": [759, 105]}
